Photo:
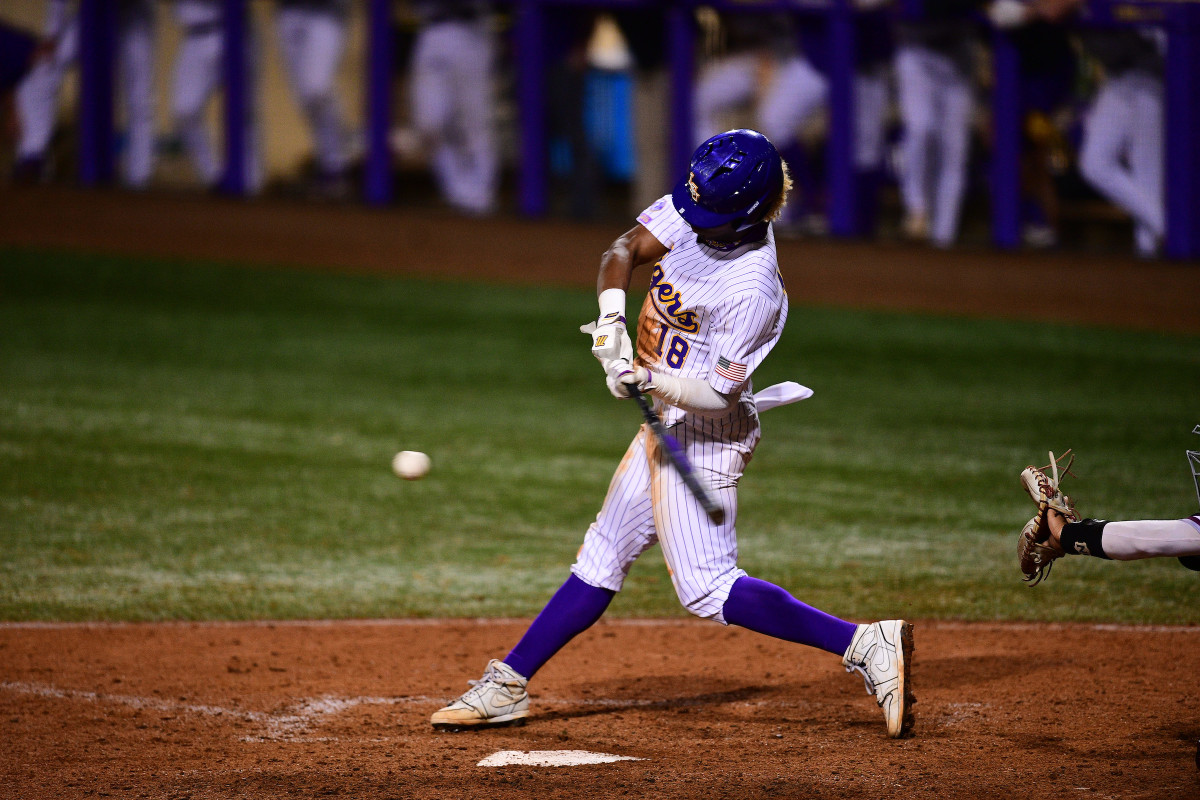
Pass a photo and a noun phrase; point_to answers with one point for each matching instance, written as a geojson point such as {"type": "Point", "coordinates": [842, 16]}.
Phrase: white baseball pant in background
{"type": "Point", "coordinates": [136, 70]}
{"type": "Point", "coordinates": [452, 108]}
{"type": "Point", "coordinates": [37, 96]}
{"type": "Point", "coordinates": [1122, 152]}
{"type": "Point", "coordinates": [935, 106]}
{"type": "Point", "coordinates": [788, 91]}
{"type": "Point", "coordinates": [199, 68]}
{"type": "Point", "coordinates": [313, 38]}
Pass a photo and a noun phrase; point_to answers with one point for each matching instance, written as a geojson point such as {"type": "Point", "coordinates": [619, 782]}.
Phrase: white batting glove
{"type": "Point", "coordinates": [610, 340]}
{"type": "Point", "coordinates": [1008, 14]}
{"type": "Point", "coordinates": [621, 374]}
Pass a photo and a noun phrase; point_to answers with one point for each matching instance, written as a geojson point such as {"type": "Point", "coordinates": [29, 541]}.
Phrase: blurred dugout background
{"type": "Point", "coordinates": [607, 90]}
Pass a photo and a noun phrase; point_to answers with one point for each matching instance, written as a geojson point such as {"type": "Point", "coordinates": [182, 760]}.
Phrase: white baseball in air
{"type": "Point", "coordinates": [411, 465]}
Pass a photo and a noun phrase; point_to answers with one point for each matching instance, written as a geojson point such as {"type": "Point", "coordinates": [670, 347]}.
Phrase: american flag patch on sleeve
{"type": "Point", "coordinates": [731, 370]}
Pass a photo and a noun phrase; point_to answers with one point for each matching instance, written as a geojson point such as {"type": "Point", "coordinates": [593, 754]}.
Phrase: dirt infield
{"type": "Point", "coordinates": [342, 709]}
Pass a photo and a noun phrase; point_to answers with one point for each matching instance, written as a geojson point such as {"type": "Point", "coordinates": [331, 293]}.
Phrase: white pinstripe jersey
{"type": "Point", "coordinates": [710, 314]}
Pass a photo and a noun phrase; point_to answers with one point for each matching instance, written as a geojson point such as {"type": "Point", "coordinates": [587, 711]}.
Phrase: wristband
{"type": "Point", "coordinates": [612, 306]}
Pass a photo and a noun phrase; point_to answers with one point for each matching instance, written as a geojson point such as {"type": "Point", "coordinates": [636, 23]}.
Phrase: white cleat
{"type": "Point", "coordinates": [881, 652]}
{"type": "Point", "coordinates": [497, 699]}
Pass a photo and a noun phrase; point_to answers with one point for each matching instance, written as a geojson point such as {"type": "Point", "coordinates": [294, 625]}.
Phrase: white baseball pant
{"type": "Point", "coordinates": [1122, 152]}
{"type": "Point", "coordinates": [312, 41]}
{"type": "Point", "coordinates": [198, 73]}
{"type": "Point", "coordinates": [452, 110]}
{"type": "Point", "coordinates": [37, 96]}
{"type": "Point", "coordinates": [648, 503]}
{"type": "Point", "coordinates": [792, 92]}
{"type": "Point", "coordinates": [935, 106]}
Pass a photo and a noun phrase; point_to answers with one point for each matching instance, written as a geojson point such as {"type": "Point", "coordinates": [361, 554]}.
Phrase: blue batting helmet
{"type": "Point", "coordinates": [732, 178]}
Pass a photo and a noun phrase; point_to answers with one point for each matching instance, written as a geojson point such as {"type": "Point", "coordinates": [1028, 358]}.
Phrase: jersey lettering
{"type": "Point", "coordinates": [669, 304]}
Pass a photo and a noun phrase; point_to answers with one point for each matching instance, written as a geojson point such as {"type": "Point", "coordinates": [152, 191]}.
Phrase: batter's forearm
{"type": "Point", "coordinates": [690, 394]}
{"type": "Point", "coordinates": [616, 267]}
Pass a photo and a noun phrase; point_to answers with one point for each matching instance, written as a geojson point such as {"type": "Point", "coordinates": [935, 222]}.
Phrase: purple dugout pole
{"type": "Point", "coordinates": [681, 36]}
{"type": "Point", "coordinates": [97, 34]}
{"type": "Point", "coordinates": [1006, 155]}
{"type": "Point", "coordinates": [529, 31]}
{"type": "Point", "coordinates": [843, 221]}
{"type": "Point", "coordinates": [237, 94]}
{"type": "Point", "coordinates": [378, 187]}
{"type": "Point", "coordinates": [1182, 114]}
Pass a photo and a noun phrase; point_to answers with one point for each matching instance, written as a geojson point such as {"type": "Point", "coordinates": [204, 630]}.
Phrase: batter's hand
{"type": "Point", "coordinates": [621, 373]}
{"type": "Point", "coordinates": [610, 340]}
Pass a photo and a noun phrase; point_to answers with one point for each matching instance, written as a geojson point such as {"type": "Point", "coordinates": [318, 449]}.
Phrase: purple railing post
{"type": "Point", "coordinates": [237, 95]}
{"type": "Point", "coordinates": [1182, 115]}
{"type": "Point", "coordinates": [681, 55]}
{"type": "Point", "coordinates": [529, 32]}
{"type": "Point", "coordinates": [378, 189]}
{"type": "Point", "coordinates": [1006, 155]}
{"type": "Point", "coordinates": [843, 219]}
{"type": "Point", "coordinates": [97, 33]}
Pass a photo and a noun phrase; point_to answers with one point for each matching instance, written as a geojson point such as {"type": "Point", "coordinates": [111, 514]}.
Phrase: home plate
{"type": "Point", "coordinates": [550, 758]}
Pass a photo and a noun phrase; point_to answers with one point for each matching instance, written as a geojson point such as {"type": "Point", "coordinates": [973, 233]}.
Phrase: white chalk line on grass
{"type": "Point", "coordinates": [620, 623]}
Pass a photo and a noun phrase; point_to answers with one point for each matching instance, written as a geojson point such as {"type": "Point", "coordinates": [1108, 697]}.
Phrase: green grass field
{"type": "Point", "coordinates": [192, 441]}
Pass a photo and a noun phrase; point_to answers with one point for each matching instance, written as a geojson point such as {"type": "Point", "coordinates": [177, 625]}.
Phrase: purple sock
{"type": "Point", "coordinates": [765, 608]}
{"type": "Point", "coordinates": [574, 608]}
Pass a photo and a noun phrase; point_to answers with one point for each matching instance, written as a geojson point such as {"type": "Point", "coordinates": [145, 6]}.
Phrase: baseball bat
{"type": "Point", "coordinates": [677, 457]}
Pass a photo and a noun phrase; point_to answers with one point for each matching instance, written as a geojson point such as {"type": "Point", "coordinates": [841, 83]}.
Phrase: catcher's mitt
{"type": "Point", "coordinates": [1036, 550]}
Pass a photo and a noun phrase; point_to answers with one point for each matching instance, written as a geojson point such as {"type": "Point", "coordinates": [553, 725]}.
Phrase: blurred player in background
{"type": "Point", "coordinates": [874, 50]}
{"type": "Point", "coordinates": [312, 36]}
{"type": "Point", "coordinates": [716, 308]}
{"type": "Point", "coordinates": [935, 65]}
{"type": "Point", "coordinates": [17, 47]}
{"type": "Point", "coordinates": [37, 97]}
{"type": "Point", "coordinates": [452, 100]}
{"type": "Point", "coordinates": [1048, 68]}
{"type": "Point", "coordinates": [1123, 142]}
{"type": "Point", "coordinates": [761, 65]}
{"type": "Point", "coordinates": [199, 68]}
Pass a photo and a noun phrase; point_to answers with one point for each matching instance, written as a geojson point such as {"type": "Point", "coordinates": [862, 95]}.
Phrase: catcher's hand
{"type": "Point", "coordinates": [1036, 547]}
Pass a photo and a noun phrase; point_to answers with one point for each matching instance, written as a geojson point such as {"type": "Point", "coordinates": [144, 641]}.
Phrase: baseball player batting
{"type": "Point", "coordinates": [716, 307]}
